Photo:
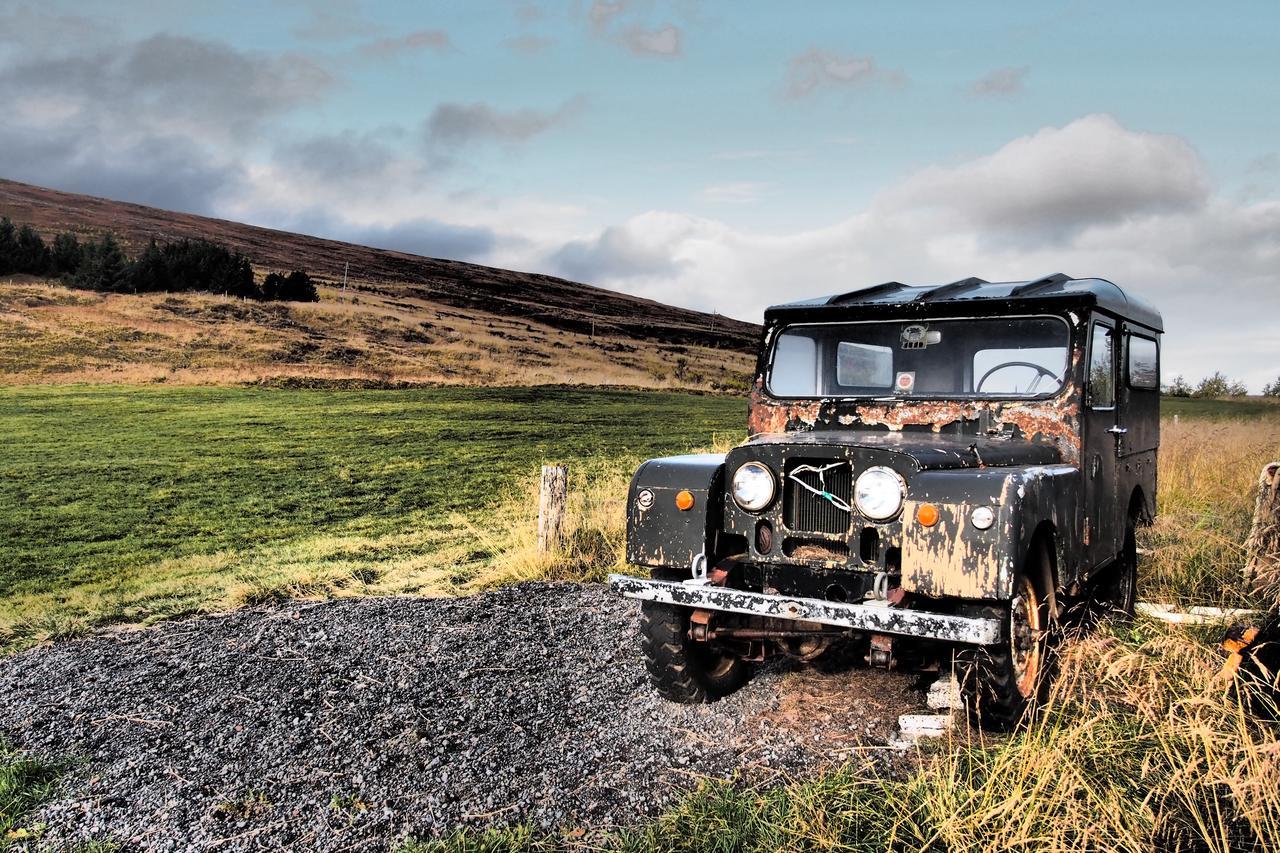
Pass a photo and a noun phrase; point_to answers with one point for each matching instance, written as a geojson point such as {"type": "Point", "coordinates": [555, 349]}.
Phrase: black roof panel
{"type": "Point", "coordinates": [1057, 287]}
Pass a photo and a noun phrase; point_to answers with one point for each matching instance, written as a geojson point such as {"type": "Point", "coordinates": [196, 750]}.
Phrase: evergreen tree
{"type": "Point", "coordinates": [149, 273]}
{"type": "Point", "coordinates": [66, 255]}
{"type": "Point", "coordinates": [273, 286]}
{"type": "Point", "coordinates": [104, 267]}
{"type": "Point", "coordinates": [299, 287]}
{"type": "Point", "coordinates": [8, 247]}
{"type": "Point", "coordinates": [31, 255]}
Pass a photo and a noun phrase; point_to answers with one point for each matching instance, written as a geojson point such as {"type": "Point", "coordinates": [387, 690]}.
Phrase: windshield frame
{"type": "Point", "coordinates": [767, 370]}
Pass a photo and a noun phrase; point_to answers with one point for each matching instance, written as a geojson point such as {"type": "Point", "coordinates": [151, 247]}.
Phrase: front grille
{"type": "Point", "coordinates": [804, 510]}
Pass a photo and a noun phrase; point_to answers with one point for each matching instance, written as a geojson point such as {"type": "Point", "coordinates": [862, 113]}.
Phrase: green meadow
{"type": "Point", "coordinates": [134, 503]}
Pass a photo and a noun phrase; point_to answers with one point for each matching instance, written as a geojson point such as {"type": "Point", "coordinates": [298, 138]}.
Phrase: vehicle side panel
{"type": "Point", "coordinates": [663, 535]}
{"type": "Point", "coordinates": [953, 558]}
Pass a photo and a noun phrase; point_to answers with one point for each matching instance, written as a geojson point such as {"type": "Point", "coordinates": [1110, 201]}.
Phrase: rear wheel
{"type": "Point", "coordinates": [683, 670]}
{"type": "Point", "coordinates": [1116, 591]}
{"type": "Point", "coordinates": [1002, 681]}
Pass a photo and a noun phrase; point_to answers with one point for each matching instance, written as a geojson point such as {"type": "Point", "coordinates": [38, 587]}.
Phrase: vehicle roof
{"type": "Point", "coordinates": [1057, 290]}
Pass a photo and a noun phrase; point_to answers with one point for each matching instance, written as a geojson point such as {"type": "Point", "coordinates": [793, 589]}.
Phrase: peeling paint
{"type": "Point", "coordinates": [859, 617]}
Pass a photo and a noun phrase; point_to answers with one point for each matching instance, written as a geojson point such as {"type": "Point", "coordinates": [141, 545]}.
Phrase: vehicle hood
{"type": "Point", "coordinates": [929, 450]}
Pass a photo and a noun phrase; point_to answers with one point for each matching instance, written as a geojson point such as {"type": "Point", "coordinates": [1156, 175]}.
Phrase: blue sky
{"type": "Point", "coordinates": [717, 155]}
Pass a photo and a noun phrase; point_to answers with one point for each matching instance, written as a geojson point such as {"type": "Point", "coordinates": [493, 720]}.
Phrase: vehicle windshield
{"type": "Point", "coordinates": [999, 357]}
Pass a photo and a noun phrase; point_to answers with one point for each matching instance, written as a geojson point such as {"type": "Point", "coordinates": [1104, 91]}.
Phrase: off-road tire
{"type": "Point", "coordinates": [997, 693]}
{"type": "Point", "coordinates": [682, 670]}
{"type": "Point", "coordinates": [1115, 592]}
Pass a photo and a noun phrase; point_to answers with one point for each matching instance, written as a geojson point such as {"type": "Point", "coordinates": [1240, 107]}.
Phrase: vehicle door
{"type": "Point", "coordinates": [1101, 519]}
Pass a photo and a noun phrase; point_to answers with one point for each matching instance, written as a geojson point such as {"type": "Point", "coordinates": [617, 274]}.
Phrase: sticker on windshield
{"type": "Point", "coordinates": [906, 382]}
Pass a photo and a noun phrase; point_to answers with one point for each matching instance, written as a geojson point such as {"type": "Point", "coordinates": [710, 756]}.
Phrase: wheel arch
{"type": "Point", "coordinates": [1140, 509]}
{"type": "Point", "coordinates": [1047, 532]}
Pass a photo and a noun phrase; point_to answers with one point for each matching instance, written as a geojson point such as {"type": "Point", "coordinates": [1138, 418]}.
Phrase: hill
{"type": "Point", "coordinates": [401, 318]}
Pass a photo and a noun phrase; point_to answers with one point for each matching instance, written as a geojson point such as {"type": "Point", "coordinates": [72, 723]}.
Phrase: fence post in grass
{"type": "Point", "coordinates": [1262, 548]}
{"type": "Point", "coordinates": [551, 506]}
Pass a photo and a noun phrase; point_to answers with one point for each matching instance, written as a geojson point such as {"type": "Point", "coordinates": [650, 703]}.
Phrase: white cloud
{"type": "Point", "coordinates": [1090, 199]}
{"type": "Point", "coordinates": [1059, 180]}
{"type": "Point", "coordinates": [664, 41]}
{"type": "Point", "coordinates": [392, 46]}
{"type": "Point", "coordinates": [1001, 82]}
{"type": "Point", "coordinates": [817, 69]}
{"type": "Point", "coordinates": [453, 125]}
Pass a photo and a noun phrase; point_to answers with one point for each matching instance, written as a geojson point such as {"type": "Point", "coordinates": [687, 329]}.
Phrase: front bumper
{"type": "Point", "coordinates": [871, 618]}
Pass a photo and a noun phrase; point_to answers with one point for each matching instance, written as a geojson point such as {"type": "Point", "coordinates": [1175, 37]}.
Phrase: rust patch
{"type": "Point", "coordinates": [1055, 420]}
{"type": "Point", "coordinates": [767, 416]}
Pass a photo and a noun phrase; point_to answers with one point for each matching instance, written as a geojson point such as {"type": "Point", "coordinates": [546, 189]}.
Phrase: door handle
{"type": "Point", "coordinates": [1117, 430]}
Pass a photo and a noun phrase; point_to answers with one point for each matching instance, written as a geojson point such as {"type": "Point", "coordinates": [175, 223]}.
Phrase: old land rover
{"type": "Point", "coordinates": [937, 473]}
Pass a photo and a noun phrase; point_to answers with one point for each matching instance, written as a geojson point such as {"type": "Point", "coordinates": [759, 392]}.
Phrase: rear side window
{"type": "Point", "coordinates": [1102, 370]}
{"type": "Point", "coordinates": [865, 365]}
{"type": "Point", "coordinates": [1144, 363]}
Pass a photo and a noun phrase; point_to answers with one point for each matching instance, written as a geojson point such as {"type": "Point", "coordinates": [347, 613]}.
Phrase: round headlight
{"type": "Point", "coordinates": [878, 493]}
{"type": "Point", "coordinates": [753, 487]}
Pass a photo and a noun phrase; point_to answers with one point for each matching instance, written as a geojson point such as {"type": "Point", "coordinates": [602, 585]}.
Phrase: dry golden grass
{"type": "Point", "coordinates": [1138, 748]}
{"type": "Point", "coordinates": [595, 525]}
{"type": "Point", "coordinates": [49, 333]}
{"type": "Point", "coordinates": [1207, 480]}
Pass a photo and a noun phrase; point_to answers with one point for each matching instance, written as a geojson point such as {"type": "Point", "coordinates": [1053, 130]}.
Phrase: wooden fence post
{"type": "Point", "coordinates": [551, 505]}
{"type": "Point", "coordinates": [1262, 548]}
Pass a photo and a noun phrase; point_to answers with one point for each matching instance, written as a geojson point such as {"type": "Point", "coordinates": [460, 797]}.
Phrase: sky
{"type": "Point", "coordinates": [720, 156]}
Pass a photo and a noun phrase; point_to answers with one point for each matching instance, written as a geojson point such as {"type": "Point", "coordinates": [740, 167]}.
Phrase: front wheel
{"type": "Point", "coordinates": [1002, 681]}
{"type": "Point", "coordinates": [683, 670]}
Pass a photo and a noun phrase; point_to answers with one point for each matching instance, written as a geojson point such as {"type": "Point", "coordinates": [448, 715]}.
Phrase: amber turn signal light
{"type": "Point", "coordinates": [684, 500]}
{"type": "Point", "coordinates": [927, 515]}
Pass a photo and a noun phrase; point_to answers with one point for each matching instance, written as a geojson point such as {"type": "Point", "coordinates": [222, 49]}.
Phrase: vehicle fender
{"type": "Point", "coordinates": [663, 535]}
{"type": "Point", "coordinates": [953, 558]}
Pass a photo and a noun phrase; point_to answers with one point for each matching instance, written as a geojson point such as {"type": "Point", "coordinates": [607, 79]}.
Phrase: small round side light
{"type": "Point", "coordinates": [982, 517]}
{"type": "Point", "coordinates": [684, 500]}
{"type": "Point", "coordinates": [927, 515]}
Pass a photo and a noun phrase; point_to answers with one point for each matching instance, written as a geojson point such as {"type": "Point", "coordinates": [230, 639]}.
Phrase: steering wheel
{"type": "Point", "coordinates": [1040, 369]}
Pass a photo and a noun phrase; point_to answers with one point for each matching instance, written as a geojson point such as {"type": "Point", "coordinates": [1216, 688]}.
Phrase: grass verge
{"type": "Point", "coordinates": [25, 782]}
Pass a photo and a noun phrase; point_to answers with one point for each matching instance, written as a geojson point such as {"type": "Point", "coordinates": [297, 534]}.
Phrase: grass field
{"type": "Point", "coordinates": [131, 504]}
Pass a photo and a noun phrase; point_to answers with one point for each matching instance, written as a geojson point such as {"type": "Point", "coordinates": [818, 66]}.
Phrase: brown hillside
{"type": "Point", "coordinates": [403, 318]}
{"type": "Point", "coordinates": [546, 299]}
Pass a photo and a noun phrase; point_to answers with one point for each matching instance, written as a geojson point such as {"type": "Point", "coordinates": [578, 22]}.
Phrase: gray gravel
{"type": "Point", "coordinates": [355, 724]}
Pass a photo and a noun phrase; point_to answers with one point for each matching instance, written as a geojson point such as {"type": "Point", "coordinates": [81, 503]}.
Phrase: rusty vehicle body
{"type": "Point", "coordinates": [1013, 506]}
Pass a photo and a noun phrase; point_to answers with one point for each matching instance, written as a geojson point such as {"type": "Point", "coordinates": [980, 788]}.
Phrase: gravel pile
{"type": "Point", "coordinates": [355, 724]}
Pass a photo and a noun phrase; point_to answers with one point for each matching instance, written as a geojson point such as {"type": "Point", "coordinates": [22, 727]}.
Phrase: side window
{"type": "Point", "coordinates": [1102, 369]}
{"type": "Point", "coordinates": [1144, 363]}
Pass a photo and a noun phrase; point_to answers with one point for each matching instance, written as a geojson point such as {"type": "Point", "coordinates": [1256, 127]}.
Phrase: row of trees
{"type": "Point", "coordinates": [162, 267]}
{"type": "Point", "coordinates": [1217, 385]}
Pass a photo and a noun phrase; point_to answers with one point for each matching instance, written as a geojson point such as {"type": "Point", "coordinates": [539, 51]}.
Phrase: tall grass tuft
{"type": "Point", "coordinates": [1207, 478]}
{"type": "Point", "coordinates": [25, 782]}
{"type": "Point", "coordinates": [595, 525]}
{"type": "Point", "coordinates": [594, 529]}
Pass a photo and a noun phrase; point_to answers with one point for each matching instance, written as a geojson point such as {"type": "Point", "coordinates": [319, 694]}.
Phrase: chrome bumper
{"type": "Point", "coordinates": [872, 618]}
